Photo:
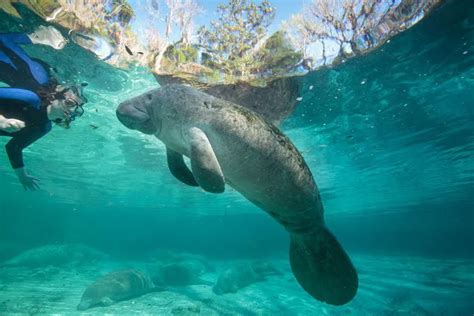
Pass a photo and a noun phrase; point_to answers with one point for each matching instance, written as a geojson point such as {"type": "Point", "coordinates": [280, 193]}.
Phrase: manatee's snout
{"type": "Point", "coordinates": [135, 116]}
{"type": "Point", "coordinates": [83, 306]}
{"type": "Point", "coordinates": [217, 290]}
{"type": "Point", "coordinates": [131, 115]}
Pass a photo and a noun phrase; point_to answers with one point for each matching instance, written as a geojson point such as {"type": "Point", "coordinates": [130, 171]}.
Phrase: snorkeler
{"type": "Point", "coordinates": [34, 98]}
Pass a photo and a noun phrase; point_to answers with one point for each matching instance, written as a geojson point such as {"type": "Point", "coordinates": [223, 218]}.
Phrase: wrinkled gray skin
{"type": "Point", "coordinates": [178, 273]}
{"type": "Point", "coordinates": [116, 286]}
{"type": "Point", "coordinates": [55, 255]}
{"type": "Point", "coordinates": [274, 102]}
{"type": "Point", "coordinates": [241, 275]}
{"type": "Point", "coordinates": [227, 143]}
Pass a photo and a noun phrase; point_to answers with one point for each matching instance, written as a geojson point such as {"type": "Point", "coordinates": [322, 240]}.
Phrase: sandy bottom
{"type": "Point", "coordinates": [388, 286]}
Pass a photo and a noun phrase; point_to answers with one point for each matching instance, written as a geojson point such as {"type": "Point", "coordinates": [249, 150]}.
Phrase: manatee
{"type": "Point", "coordinates": [168, 256]}
{"type": "Point", "coordinates": [8, 250]}
{"type": "Point", "coordinates": [275, 101]}
{"type": "Point", "coordinates": [179, 273]}
{"type": "Point", "coordinates": [241, 275]}
{"type": "Point", "coordinates": [55, 255]}
{"type": "Point", "coordinates": [227, 143]}
{"type": "Point", "coordinates": [116, 286]}
{"type": "Point", "coordinates": [177, 269]}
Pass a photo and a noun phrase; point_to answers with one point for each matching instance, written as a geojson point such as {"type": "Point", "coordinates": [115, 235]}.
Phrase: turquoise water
{"type": "Point", "coordinates": [389, 138]}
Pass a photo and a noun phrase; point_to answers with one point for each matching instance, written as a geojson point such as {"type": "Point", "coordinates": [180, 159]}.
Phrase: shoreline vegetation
{"type": "Point", "coordinates": [236, 48]}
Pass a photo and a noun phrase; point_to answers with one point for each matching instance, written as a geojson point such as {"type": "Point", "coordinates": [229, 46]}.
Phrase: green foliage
{"type": "Point", "coordinates": [178, 54]}
{"type": "Point", "coordinates": [182, 54]}
{"type": "Point", "coordinates": [241, 26]}
{"type": "Point", "coordinates": [277, 55]}
{"type": "Point", "coordinates": [44, 6]}
{"type": "Point", "coordinates": [122, 12]}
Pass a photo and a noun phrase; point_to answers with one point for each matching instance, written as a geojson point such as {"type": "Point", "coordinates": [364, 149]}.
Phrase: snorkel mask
{"type": "Point", "coordinates": [74, 98]}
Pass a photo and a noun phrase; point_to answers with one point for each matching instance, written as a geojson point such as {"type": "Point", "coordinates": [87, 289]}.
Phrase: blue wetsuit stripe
{"type": "Point", "coordinates": [4, 59]}
{"type": "Point", "coordinates": [26, 96]}
{"type": "Point", "coordinates": [27, 136]}
{"type": "Point", "coordinates": [17, 69]}
{"type": "Point", "coordinates": [10, 42]}
{"type": "Point", "coordinates": [17, 38]}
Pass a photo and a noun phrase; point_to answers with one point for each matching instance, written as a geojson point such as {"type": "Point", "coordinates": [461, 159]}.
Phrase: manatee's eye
{"type": "Point", "coordinates": [149, 96]}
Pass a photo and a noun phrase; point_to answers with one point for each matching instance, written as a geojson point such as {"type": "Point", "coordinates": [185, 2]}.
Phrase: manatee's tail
{"type": "Point", "coordinates": [322, 267]}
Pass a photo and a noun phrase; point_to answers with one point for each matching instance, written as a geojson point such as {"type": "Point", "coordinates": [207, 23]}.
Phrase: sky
{"type": "Point", "coordinates": [284, 9]}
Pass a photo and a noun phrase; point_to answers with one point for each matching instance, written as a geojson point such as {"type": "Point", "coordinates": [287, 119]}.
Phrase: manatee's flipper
{"type": "Point", "coordinates": [106, 301]}
{"type": "Point", "coordinates": [322, 267]}
{"type": "Point", "coordinates": [179, 169]}
{"type": "Point", "coordinates": [204, 164]}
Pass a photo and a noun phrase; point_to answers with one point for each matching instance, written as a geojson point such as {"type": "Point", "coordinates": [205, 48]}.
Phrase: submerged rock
{"type": "Point", "coordinates": [116, 286]}
{"type": "Point", "coordinates": [55, 255]}
{"type": "Point", "coordinates": [174, 269]}
{"type": "Point", "coordinates": [241, 275]}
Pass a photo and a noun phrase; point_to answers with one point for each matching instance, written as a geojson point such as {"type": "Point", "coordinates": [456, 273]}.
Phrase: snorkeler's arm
{"type": "Point", "coordinates": [19, 96]}
{"type": "Point", "coordinates": [10, 125]}
{"type": "Point", "coordinates": [19, 142]}
{"type": "Point", "coordinates": [29, 182]}
{"type": "Point", "coordinates": [15, 153]}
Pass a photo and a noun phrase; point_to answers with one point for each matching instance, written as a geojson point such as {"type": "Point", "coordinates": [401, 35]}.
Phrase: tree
{"type": "Point", "coordinates": [89, 14]}
{"type": "Point", "coordinates": [157, 46]}
{"type": "Point", "coordinates": [276, 57]}
{"type": "Point", "coordinates": [301, 33]}
{"type": "Point", "coordinates": [352, 26]}
{"type": "Point", "coordinates": [173, 12]}
{"type": "Point", "coordinates": [231, 39]}
{"type": "Point", "coordinates": [173, 7]}
{"type": "Point", "coordinates": [184, 18]}
{"type": "Point", "coordinates": [157, 43]}
{"type": "Point", "coordinates": [7, 7]}
{"type": "Point", "coordinates": [121, 11]}
{"type": "Point", "coordinates": [100, 15]}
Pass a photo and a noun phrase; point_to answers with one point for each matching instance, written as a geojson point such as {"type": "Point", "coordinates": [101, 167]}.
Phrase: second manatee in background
{"type": "Point", "coordinates": [116, 286]}
{"type": "Point", "coordinates": [241, 275]}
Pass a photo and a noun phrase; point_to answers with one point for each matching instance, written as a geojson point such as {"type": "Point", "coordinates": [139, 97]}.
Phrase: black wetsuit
{"type": "Point", "coordinates": [26, 78]}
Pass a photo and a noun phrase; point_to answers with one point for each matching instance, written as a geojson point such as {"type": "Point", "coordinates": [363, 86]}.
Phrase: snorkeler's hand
{"type": "Point", "coordinates": [11, 125]}
{"type": "Point", "coordinates": [29, 183]}
{"type": "Point", "coordinates": [48, 35]}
